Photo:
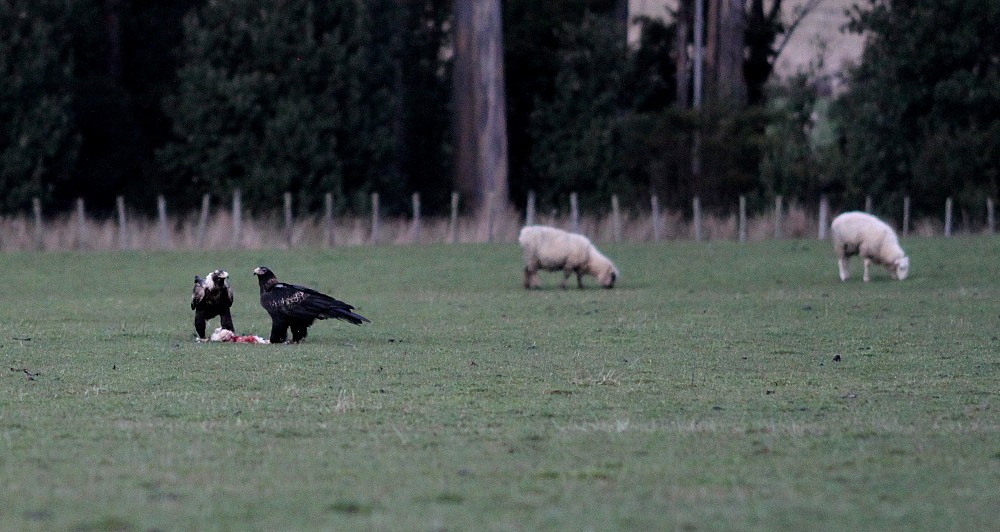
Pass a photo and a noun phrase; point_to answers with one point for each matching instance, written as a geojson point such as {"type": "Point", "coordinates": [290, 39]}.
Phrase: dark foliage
{"type": "Point", "coordinates": [922, 113]}
{"type": "Point", "coordinates": [125, 65]}
{"type": "Point", "coordinates": [38, 142]}
{"type": "Point", "coordinates": [187, 97]}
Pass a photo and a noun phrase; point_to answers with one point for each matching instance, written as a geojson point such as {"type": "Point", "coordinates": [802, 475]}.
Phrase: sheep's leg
{"type": "Point", "coordinates": [867, 263]}
{"type": "Point", "coordinates": [527, 278]}
{"type": "Point", "coordinates": [842, 264]}
{"type": "Point", "coordinates": [579, 279]}
{"type": "Point", "coordinates": [566, 274]}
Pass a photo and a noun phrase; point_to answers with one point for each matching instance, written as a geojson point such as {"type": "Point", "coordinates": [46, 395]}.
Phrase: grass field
{"type": "Point", "coordinates": [702, 393]}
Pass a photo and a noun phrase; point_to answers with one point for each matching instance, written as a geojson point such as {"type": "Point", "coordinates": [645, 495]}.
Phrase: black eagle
{"type": "Point", "coordinates": [297, 307]}
{"type": "Point", "coordinates": [212, 297]}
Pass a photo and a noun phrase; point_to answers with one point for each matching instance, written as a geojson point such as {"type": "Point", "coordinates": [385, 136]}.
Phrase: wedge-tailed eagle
{"type": "Point", "coordinates": [297, 307]}
{"type": "Point", "coordinates": [212, 296]}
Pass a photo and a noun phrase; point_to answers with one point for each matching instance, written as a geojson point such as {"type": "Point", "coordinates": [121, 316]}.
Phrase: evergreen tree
{"type": "Point", "coordinates": [284, 96]}
{"type": "Point", "coordinates": [533, 42]}
{"type": "Point", "coordinates": [922, 114]}
{"type": "Point", "coordinates": [789, 166]}
{"type": "Point", "coordinates": [38, 141]}
{"type": "Point", "coordinates": [576, 133]}
{"type": "Point", "coordinates": [425, 99]}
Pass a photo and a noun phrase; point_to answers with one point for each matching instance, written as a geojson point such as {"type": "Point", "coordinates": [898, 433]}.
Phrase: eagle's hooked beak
{"type": "Point", "coordinates": [221, 274]}
{"type": "Point", "coordinates": [257, 271]}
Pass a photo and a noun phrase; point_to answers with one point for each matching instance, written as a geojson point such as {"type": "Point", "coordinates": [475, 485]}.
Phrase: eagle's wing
{"type": "Point", "coordinates": [199, 292]}
{"type": "Point", "coordinates": [286, 300]}
{"type": "Point", "coordinates": [306, 304]}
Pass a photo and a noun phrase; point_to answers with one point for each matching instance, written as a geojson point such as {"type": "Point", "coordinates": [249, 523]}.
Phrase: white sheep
{"type": "Point", "coordinates": [551, 249]}
{"type": "Point", "coordinates": [858, 233]}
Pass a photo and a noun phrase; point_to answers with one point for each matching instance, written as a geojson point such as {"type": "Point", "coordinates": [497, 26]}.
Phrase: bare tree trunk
{"type": "Point", "coordinates": [621, 14]}
{"type": "Point", "coordinates": [730, 86]}
{"type": "Point", "coordinates": [681, 60]}
{"type": "Point", "coordinates": [480, 110]}
{"type": "Point", "coordinates": [711, 52]}
{"type": "Point", "coordinates": [464, 121]}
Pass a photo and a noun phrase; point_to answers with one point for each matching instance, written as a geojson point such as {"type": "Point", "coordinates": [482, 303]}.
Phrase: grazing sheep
{"type": "Point", "coordinates": [551, 249]}
{"type": "Point", "coordinates": [858, 233]}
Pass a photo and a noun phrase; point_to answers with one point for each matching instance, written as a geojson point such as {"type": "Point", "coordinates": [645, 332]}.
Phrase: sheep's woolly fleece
{"type": "Point", "coordinates": [551, 249]}
{"type": "Point", "coordinates": [859, 233]}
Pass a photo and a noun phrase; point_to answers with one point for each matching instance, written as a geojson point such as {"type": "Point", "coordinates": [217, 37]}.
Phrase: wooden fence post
{"type": "Point", "coordinates": [990, 220]}
{"type": "Point", "coordinates": [328, 219]}
{"type": "Point", "coordinates": [947, 216]}
{"type": "Point", "coordinates": [743, 219]}
{"type": "Point", "coordinates": [906, 215]}
{"type": "Point", "coordinates": [574, 212]}
{"type": "Point", "coordinates": [289, 220]}
{"type": "Point", "coordinates": [696, 213]}
{"type": "Point", "coordinates": [616, 218]}
{"type": "Point", "coordinates": [529, 210]}
{"type": "Point", "coordinates": [81, 220]}
{"type": "Point", "coordinates": [375, 219]}
{"type": "Point", "coordinates": [161, 211]}
{"type": "Point", "coordinates": [654, 204]}
{"type": "Point", "coordinates": [868, 204]}
{"type": "Point", "coordinates": [778, 213]}
{"type": "Point", "coordinates": [824, 214]}
{"type": "Point", "coordinates": [123, 236]}
{"type": "Point", "coordinates": [237, 235]}
{"type": "Point", "coordinates": [36, 209]}
{"type": "Point", "coordinates": [203, 220]}
{"type": "Point", "coordinates": [415, 229]}
{"type": "Point", "coordinates": [453, 221]}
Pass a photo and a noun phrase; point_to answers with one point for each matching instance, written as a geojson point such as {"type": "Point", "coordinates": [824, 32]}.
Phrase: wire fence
{"type": "Point", "coordinates": [227, 227]}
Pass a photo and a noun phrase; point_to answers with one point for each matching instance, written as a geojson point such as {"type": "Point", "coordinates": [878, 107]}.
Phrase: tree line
{"type": "Point", "coordinates": [140, 99]}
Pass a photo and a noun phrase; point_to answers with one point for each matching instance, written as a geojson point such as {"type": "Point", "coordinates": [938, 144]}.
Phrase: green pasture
{"type": "Point", "coordinates": [701, 393]}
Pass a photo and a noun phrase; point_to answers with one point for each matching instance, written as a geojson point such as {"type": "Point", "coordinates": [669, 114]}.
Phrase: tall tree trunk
{"type": "Point", "coordinates": [621, 15]}
{"type": "Point", "coordinates": [730, 85]}
{"type": "Point", "coordinates": [480, 109]}
{"type": "Point", "coordinates": [682, 62]}
{"type": "Point", "coordinates": [710, 68]}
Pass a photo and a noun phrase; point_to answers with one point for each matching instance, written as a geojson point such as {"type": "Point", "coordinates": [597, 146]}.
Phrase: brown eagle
{"type": "Point", "coordinates": [297, 307]}
{"type": "Point", "coordinates": [212, 296]}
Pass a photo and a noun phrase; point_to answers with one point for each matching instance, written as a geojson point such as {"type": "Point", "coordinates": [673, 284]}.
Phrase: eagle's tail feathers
{"type": "Point", "coordinates": [328, 307]}
{"type": "Point", "coordinates": [351, 317]}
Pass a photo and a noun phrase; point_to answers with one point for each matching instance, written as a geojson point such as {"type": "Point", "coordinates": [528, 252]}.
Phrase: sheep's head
{"type": "Point", "coordinates": [607, 277]}
{"type": "Point", "coordinates": [602, 268]}
{"type": "Point", "coordinates": [901, 268]}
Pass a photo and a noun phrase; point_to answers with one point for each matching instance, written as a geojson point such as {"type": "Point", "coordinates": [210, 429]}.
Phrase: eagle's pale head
{"type": "Point", "coordinates": [216, 279]}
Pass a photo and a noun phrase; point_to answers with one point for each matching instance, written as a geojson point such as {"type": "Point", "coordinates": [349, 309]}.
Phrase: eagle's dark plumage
{"type": "Point", "coordinates": [212, 297]}
{"type": "Point", "coordinates": [296, 307]}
